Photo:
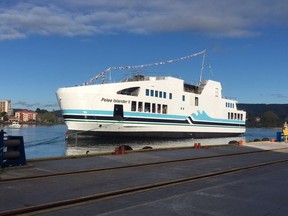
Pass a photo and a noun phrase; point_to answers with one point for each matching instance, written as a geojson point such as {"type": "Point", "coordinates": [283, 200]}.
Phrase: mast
{"type": "Point", "coordinates": [202, 68]}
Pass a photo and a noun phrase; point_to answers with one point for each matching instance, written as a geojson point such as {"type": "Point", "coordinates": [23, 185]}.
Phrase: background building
{"type": "Point", "coordinates": [5, 106]}
{"type": "Point", "coordinates": [26, 116]}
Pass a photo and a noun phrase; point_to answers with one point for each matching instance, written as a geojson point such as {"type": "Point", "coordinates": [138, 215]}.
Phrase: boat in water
{"type": "Point", "coordinates": [15, 125]}
{"type": "Point", "coordinates": [150, 106]}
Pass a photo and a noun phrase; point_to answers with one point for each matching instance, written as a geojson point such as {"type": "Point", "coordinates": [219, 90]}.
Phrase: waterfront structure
{"type": "Point", "coordinates": [12, 119]}
{"type": "Point", "coordinates": [151, 106]}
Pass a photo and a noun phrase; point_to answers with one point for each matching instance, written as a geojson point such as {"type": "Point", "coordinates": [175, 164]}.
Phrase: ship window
{"type": "Point", "coordinates": [216, 92]}
{"type": "Point", "coordinates": [152, 93]}
{"type": "Point", "coordinates": [147, 92]}
{"type": "Point", "coordinates": [158, 108]}
{"type": "Point", "coordinates": [133, 106]}
{"type": "Point", "coordinates": [156, 93]}
{"type": "Point", "coordinates": [164, 94]}
{"type": "Point", "coordinates": [133, 91]}
{"type": "Point", "coordinates": [196, 101]}
{"type": "Point", "coordinates": [170, 95]}
{"type": "Point", "coordinates": [164, 109]}
{"type": "Point", "coordinates": [228, 115]}
{"type": "Point", "coordinates": [183, 97]}
{"type": "Point", "coordinates": [140, 106]}
{"type": "Point", "coordinates": [160, 94]}
{"type": "Point", "coordinates": [147, 107]}
{"type": "Point", "coordinates": [153, 107]}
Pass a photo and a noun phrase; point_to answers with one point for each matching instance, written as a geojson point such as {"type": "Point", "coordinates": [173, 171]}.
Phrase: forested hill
{"type": "Point", "coordinates": [265, 115]}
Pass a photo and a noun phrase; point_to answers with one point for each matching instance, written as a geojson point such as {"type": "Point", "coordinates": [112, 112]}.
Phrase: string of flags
{"type": "Point", "coordinates": [102, 74]}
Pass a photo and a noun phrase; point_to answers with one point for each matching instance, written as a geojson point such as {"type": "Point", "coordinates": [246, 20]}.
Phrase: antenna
{"type": "Point", "coordinates": [202, 68]}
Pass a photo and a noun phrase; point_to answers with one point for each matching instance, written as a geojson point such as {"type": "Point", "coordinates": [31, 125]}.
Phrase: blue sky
{"type": "Point", "coordinates": [45, 45]}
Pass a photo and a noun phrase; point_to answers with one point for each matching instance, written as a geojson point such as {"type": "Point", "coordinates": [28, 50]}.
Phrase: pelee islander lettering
{"type": "Point", "coordinates": [114, 100]}
{"type": "Point", "coordinates": [106, 100]}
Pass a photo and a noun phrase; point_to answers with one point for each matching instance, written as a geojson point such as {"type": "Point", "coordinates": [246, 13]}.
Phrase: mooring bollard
{"type": "Point", "coordinates": [241, 142]}
{"type": "Point", "coordinates": [116, 151]}
{"type": "Point", "coordinates": [122, 150]}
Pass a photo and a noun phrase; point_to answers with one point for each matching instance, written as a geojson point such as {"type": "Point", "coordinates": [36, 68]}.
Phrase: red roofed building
{"type": "Point", "coordinates": [26, 116]}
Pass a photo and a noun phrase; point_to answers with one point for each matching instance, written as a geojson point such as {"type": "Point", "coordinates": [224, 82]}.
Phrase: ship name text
{"type": "Point", "coordinates": [109, 100]}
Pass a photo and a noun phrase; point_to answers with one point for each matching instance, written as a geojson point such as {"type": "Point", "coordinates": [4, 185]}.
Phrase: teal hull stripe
{"type": "Point", "coordinates": [154, 115]}
{"type": "Point", "coordinates": [199, 117]}
{"type": "Point", "coordinates": [126, 114]}
{"type": "Point", "coordinates": [86, 112]}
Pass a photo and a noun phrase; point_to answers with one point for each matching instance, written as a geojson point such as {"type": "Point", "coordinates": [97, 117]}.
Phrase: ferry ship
{"type": "Point", "coordinates": [151, 106]}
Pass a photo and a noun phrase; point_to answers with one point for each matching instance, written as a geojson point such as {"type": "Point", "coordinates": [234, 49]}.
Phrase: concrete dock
{"type": "Point", "coordinates": [259, 190]}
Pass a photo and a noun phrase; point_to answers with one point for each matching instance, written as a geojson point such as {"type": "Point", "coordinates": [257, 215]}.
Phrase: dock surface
{"type": "Point", "coordinates": [249, 179]}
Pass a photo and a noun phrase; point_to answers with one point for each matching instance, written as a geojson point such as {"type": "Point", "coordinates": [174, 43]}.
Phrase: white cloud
{"type": "Point", "coordinates": [226, 18]}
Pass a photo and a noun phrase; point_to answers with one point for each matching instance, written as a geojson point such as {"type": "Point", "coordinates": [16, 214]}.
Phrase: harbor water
{"type": "Point", "coordinates": [49, 141]}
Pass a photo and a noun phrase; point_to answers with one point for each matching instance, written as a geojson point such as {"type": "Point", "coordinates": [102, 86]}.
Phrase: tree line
{"type": "Point", "coordinates": [49, 117]}
{"type": "Point", "coordinates": [43, 116]}
{"type": "Point", "coordinates": [265, 115]}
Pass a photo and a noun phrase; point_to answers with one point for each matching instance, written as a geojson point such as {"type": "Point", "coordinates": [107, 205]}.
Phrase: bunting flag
{"type": "Point", "coordinates": [102, 74]}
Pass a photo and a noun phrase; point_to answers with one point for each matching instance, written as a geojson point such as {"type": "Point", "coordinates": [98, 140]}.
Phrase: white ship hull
{"type": "Point", "coordinates": [151, 107]}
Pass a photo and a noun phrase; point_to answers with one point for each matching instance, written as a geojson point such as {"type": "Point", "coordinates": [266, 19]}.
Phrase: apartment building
{"type": "Point", "coordinates": [5, 106]}
{"type": "Point", "coordinates": [26, 116]}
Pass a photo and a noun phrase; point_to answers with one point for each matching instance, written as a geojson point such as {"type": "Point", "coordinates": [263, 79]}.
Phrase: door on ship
{"type": "Point", "coordinates": [118, 112]}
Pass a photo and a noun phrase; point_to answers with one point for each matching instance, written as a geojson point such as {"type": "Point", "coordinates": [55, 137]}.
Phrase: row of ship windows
{"type": "Point", "coordinates": [230, 105]}
{"type": "Point", "coordinates": [153, 107]}
{"type": "Point", "coordinates": [162, 108]}
{"type": "Point", "coordinates": [236, 116]}
{"type": "Point", "coordinates": [148, 107]}
{"type": "Point", "coordinates": [160, 94]}
{"type": "Point", "coordinates": [156, 93]}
